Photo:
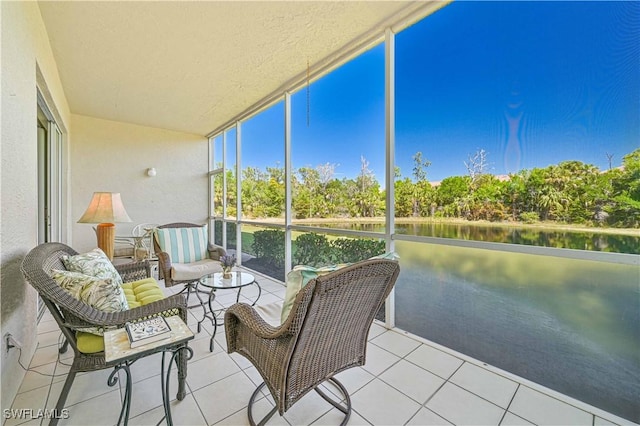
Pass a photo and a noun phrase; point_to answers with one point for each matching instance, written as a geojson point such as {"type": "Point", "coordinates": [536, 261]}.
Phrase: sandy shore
{"type": "Point", "coordinates": [452, 221]}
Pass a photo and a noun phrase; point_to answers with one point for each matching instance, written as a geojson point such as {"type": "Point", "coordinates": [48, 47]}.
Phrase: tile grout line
{"type": "Point", "coordinates": [558, 400]}
{"type": "Point", "coordinates": [193, 395]}
{"type": "Point", "coordinates": [438, 390]}
{"type": "Point", "coordinates": [513, 396]}
{"type": "Point", "coordinates": [46, 400]}
{"type": "Point", "coordinates": [386, 369]}
{"type": "Point", "coordinates": [441, 386]}
{"type": "Point", "coordinates": [421, 405]}
{"type": "Point", "coordinates": [447, 380]}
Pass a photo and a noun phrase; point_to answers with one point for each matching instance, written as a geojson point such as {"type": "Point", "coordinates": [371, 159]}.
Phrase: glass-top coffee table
{"type": "Point", "coordinates": [215, 282]}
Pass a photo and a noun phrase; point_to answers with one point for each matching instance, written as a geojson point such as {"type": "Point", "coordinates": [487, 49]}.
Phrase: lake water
{"type": "Point", "coordinates": [570, 325]}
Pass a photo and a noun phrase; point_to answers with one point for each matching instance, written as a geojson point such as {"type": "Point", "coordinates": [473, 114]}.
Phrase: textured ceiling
{"type": "Point", "coordinates": [193, 65]}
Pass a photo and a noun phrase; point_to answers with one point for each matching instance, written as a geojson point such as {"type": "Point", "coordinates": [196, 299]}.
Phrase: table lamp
{"type": "Point", "coordinates": [105, 209]}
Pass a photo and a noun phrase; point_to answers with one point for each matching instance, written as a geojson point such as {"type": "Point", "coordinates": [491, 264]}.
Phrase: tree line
{"type": "Point", "coordinates": [567, 192]}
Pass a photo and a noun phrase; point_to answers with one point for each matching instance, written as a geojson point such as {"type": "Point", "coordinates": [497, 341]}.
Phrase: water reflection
{"type": "Point", "coordinates": [571, 325]}
{"type": "Point", "coordinates": [591, 241]}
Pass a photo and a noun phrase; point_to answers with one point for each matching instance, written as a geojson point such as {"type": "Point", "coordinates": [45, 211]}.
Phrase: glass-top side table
{"type": "Point", "coordinates": [119, 355]}
{"type": "Point", "coordinates": [214, 282]}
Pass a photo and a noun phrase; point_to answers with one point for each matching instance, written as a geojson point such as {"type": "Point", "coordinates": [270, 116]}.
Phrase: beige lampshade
{"type": "Point", "coordinates": [105, 207]}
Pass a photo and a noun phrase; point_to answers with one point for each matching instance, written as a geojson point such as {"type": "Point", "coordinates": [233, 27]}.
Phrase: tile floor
{"type": "Point", "coordinates": [406, 381]}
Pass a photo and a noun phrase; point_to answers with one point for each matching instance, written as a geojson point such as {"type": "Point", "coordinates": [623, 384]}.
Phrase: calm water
{"type": "Point", "coordinates": [498, 234]}
{"type": "Point", "coordinates": [570, 325]}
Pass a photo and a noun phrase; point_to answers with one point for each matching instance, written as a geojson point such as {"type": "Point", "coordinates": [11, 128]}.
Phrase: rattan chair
{"type": "Point", "coordinates": [324, 334]}
{"type": "Point", "coordinates": [71, 314]}
{"type": "Point", "coordinates": [165, 265]}
{"type": "Point", "coordinates": [164, 260]}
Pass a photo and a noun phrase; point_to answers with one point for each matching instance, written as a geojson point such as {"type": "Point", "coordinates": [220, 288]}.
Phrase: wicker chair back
{"type": "Point", "coordinates": [164, 260]}
{"type": "Point", "coordinates": [325, 333]}
{"type": "Point", "coordinates": [71, 314]}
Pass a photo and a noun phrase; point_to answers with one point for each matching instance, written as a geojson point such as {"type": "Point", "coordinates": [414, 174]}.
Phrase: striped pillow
{"type": "Point", "coordinates": [184, 245]}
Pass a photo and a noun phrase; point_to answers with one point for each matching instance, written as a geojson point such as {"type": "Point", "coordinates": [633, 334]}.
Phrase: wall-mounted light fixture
{"type": "Point", "coordinates": [151, 171]}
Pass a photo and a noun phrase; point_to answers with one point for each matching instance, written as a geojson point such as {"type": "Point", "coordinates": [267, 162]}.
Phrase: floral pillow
{"type": "Point", "coordinates": [101, 294]}
{"type": "Point", "coordinates": [94, 263]}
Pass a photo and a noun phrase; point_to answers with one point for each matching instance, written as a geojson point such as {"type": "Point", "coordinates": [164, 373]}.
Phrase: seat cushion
{"type": "Point", "coordinates": [138, 293]}
{"type": "Point", "coordinates": [194, 270]}
{"type": "Point", "coordinates": [270, 313]}
{"type": "Point", "coordinates": [302, 274]}
{"type": "Point", "coordinates": [184, 245]}
{"type": "Point", "coordinates": [142, 292]}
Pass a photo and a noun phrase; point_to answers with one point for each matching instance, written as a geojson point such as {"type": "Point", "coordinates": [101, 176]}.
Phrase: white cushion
{"type": "Point", "coordinates": [270, 312]}
{"type": "Point", "coordinates": [194, 270]}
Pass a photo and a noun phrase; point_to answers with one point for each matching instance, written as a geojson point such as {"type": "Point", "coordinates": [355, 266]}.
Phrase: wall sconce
{"type": "Point", "coordinates": [151, 171]}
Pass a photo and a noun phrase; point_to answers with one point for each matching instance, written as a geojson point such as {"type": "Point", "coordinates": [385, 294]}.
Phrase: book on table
{"type": "Point", "coordinates": [148, 331]}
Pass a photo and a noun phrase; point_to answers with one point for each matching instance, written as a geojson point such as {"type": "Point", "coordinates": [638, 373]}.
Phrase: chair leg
{"type": "Point", "coordinates": [63, 397]}
{"type": "Point", "coordinates": [64, 346]}
{"type": "Point", "coordinates": [347, 399]}
{"type": "Point", "coordinates": [189, 289]}
{"type": "Point", "coordinates": [183, 357]}
{"type": "Point", "coordinates": [346, 410]}
{"type": "Point", "coordinates": [251, 401]}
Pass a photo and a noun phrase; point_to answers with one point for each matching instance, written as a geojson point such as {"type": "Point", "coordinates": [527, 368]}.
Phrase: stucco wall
{"type": "Point", "coordinates": [112, 156]}
{"type": "Point", "coordinates": [105, 156]}
{"type": "Point", "coordinates": [24, 46]}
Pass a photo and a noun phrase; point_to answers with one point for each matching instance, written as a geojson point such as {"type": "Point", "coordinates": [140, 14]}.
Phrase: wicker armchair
{"type": "Point", "coordinates": [71, 314]}
{"type": "Point", "coordinates": [164, 260]}
{"type": "Point", "coordinates": [324, 334]}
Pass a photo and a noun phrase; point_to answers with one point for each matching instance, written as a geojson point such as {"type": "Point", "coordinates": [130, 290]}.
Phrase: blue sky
{"type": "Point", "coordinates": [531, 83]}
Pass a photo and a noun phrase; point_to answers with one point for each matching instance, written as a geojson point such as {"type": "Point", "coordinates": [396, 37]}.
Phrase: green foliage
{"type": "Point", "coordinates": [346, 250]}
{"type": "Point", "coordinates": [269, 246]}
{"type": "Point", "coordinates": [311, 249]}
{"type": "Point", "coordinates": [404, 197]}
{"type": "Point", "coordinates": [529, 217]}
{"type": "Point", "coordinates": [629, 182]}
{"type": "Point", "coordinates": [624, 211]}
{"type": "Point", "coordinates": [569, 192]}
{"type": "Point", "coordinates": [231, 234]}
{"type": "Point", "coordinates": [419, 166]}
{"type": "Point", "coordinates": [452, 188]}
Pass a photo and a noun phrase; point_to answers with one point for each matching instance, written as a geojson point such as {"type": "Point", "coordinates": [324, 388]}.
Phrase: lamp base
{"type": "Point", "coordinates": [106, 233]}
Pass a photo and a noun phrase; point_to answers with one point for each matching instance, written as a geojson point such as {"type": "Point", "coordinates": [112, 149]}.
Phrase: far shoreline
{"type": "Point", "coordinates": [457, 221]}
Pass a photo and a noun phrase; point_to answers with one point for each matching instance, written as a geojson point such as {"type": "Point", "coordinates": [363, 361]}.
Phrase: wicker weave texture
{"type": "Point", "coordinates": [325, 333]}
{"type": "Point", "coordinates": [72, 314]}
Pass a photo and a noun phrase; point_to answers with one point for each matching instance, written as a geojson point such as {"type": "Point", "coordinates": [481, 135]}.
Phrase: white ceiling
{"type": "Point", "coordinates": [194, 65]}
